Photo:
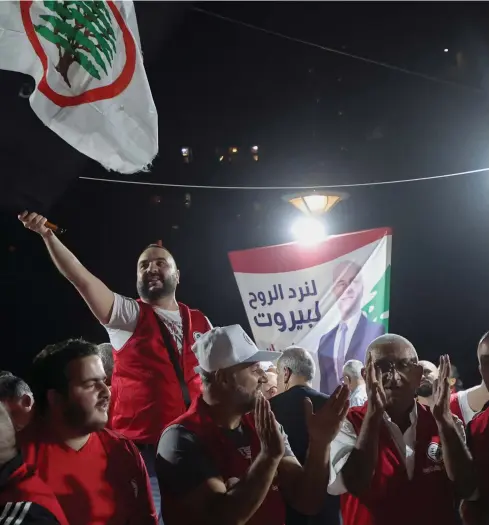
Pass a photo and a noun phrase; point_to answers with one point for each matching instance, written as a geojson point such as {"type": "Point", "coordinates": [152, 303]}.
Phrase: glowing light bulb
{"type": "Point", "coordinates": [308, 230]}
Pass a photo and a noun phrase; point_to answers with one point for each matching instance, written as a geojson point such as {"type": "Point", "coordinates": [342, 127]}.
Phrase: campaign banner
{"type": "Point", "coordinates": [331, 298]}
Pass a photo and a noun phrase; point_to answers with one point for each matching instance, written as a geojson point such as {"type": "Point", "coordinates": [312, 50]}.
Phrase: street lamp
{"type": "Point", "coordinates": [315, 203]}
{"type": "Point", "coordinates": [311, 228]}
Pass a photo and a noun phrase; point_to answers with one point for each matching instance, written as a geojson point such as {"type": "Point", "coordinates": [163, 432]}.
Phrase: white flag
{"type": "Point", "coordinates": [91, 86]}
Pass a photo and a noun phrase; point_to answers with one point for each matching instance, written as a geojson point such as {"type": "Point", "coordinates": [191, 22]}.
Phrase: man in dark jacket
{"type": "Point", "coordinates": [296, 371]}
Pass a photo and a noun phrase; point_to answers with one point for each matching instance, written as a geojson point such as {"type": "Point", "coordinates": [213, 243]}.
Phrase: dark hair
{"type": "Point", "coordinates": [454, 373]}
{"type": "Point", "coordinates": [12, 387]}
{"type": "Point", "coordinates": [48, 371]}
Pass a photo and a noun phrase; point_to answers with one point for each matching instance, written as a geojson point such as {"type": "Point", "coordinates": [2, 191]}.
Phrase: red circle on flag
{"type": "Point", "coordinates": [91, 95]}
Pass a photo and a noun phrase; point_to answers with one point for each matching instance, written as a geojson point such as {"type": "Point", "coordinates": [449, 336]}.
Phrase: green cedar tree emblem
{"type": "Point", "coordinates": [83, 33]}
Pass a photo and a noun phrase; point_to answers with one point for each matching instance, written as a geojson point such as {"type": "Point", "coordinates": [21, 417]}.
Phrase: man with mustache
{"type": "Point", "coordinates": [464, 404]}
{"type": "Point", "coordinates": [394, 460]}
{"type": "Point", "coordinates": [220, 464]}
{"type": "Point", "coordinates": [350, 338]}
{"type": "Point", "coordinates": [98, 476]}
{"type": "Point", "coordinates": [426, 388]}
{"type": "Point", "coordinates": [153, 380]}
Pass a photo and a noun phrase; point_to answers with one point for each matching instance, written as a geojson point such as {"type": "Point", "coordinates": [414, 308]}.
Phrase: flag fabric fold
{"type": "Point", "coordinates": [91, 85]}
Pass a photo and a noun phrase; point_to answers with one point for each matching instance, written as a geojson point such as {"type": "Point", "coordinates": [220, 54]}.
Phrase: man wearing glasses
{"type": "Point", "coordinates": [387, 461]}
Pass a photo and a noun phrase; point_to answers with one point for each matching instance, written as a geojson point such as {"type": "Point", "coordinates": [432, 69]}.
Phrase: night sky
{"type": "Point", "coordinates": [318, 118]}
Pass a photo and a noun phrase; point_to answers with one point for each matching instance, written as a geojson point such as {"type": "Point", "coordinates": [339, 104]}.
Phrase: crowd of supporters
{"type": "Point", "coordinates": [180, 423]}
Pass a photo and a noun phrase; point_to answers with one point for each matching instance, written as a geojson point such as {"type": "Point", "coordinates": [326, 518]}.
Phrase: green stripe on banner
{"type": "Point", "coordinates": [377, 308]}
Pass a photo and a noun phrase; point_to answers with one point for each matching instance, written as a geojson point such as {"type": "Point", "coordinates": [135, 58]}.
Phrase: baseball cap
{"type": "Point", "coordinates": [223, 347]}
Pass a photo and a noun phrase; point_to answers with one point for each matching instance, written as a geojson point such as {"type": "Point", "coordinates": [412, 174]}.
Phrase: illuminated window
{"type": "Point", "coordinates": [186, 154]}
{"type": "Point", "coordinates": [254, 153]}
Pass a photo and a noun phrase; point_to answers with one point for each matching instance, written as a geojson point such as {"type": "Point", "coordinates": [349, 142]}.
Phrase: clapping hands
{"type": "Point", "coordinates": [324, 424]}
{"type": "Point", "coordinates": [375, 390]}
{"type": "Point", "coordinates": [441, 391]}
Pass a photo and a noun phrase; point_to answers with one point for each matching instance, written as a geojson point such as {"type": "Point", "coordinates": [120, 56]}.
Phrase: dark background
{"type": "Point", "coordinates": [318, 118]}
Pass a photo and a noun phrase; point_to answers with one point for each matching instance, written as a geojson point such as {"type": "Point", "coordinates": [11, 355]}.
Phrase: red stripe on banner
{"type": "Point", "coordinates": [295, 256]}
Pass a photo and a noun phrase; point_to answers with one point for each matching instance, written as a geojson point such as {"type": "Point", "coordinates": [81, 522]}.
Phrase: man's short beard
{"type": "Point", "coordinates": [76, 418]}
{"type": "Point", "coordinates": [167, 290]}
{"type": "Point", "coordinates": [425, 390]}
{"type": "Point", "coordinates": [244, 400]}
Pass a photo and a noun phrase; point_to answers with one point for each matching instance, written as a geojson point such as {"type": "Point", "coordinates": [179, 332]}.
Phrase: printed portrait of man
{"type": "Point", "coordinates": [350, 338]}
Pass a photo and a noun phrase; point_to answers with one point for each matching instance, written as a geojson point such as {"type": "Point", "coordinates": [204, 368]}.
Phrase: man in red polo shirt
{"type": "Point", "coordinates": [154, 380]}
{"type": "Point", "coordinates": [98, 476]}
{"type": "Point", "coordinates": [221, 464]}
{"type": "Point", "coordinates": [394, 459]}
{"type": "Point", "coordinates": [24, 498]}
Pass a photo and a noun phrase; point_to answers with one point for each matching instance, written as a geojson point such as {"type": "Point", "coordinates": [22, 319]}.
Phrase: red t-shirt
{"type": "Point", "coordinates": [103, 483]}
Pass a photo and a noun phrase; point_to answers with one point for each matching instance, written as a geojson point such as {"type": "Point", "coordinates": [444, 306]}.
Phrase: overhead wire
{"type": "Point", "coordinates": [317, 187]}
{"type": "Point", "coordinates": [284, 188]}
{"type": "Point", "coordinates": [335, 51]}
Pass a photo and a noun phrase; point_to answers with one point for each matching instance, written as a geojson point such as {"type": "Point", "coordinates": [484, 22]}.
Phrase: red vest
{"type": "Point", "coordinates": [392, 497]}
{"type": "Point", "coordinates": [478, 439]}
{"type": "Point", "coordinates": [146, 394]}
{"type": "Point", "coordinates": [230, 461]}
{"type": "Point", "coordinates": [24, 485]}
{"type": "Point", "coordinates": [455, 408]}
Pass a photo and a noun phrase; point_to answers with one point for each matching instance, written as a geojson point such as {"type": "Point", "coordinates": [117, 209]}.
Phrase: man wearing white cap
{"type": "Point", "coordinates": [220, 464]}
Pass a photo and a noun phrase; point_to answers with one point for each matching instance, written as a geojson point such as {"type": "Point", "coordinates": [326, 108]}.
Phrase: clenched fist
{"type": "Point", "coordinates": [35, 222]}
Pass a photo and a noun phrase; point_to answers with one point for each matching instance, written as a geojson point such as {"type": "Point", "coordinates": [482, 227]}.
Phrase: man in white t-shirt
{"type": "Point", "coordinates": [154, 379]}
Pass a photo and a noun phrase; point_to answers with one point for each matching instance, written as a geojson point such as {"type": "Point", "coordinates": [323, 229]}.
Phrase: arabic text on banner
{"type": "Point", "coordinates": [331, 298]}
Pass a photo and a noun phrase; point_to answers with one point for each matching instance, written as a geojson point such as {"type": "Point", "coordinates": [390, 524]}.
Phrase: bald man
{"type": "Point", "coordinates": [477, 513]}
{"type": "Point", "coordinates": [387, 459]}
{"type": "Point", "coordinates": [350, 338]}
{"type": "Point", "coordinates": [427, 386]}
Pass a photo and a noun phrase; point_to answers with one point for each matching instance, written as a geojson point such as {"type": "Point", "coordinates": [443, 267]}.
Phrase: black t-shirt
{"type": "Point", "coordinates": [182, 463]}
{"type": "Point", "coordinates": [289, 412]}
